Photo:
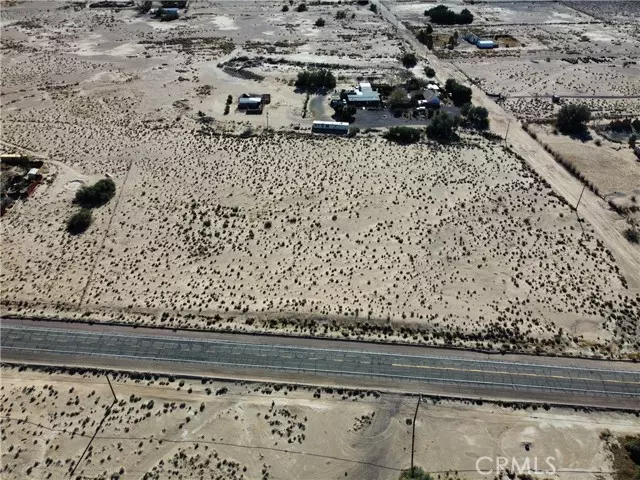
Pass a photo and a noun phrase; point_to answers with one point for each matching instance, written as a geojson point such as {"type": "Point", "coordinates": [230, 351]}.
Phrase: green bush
{"type": "Point", "coordinates": [429, 72]}
{"type": "Point", "coordinates": [632, 234]}
{"type": "Point", "coordinates": [403, 135]}
{"type": "Point", "coordinates": [632, 447]}
{"type": "Point", "coordinates": [79, 221]}
{"type": "Point", "coordinates": [285, 8]}
{"type": "Point", "coordinates": [373, 8]}
{"type": "Point", "coordinates": [97, 194]}
{"type": "Point", "coordinates": [320, 22]}
{"type": "Point", "coordinates": [415, 473]}
{"type": "Point", "coordinates": [442, 128]}
{"type": "Point", "coordinates": [315, 79]}
{"type": "Point", "coordinates": [302, 7]}
{"type": "Point", "coordinates": [341, 14]}
{"type": "Point", "coordinates": [573, 118]}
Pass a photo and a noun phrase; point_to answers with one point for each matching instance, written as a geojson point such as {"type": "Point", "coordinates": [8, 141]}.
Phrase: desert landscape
{"type": "Point", "coordinates": [146, 192]}
{"type": "Point", "coordinates": [164, 427]}
{"type": "Point", "coordinates": [222, 222]}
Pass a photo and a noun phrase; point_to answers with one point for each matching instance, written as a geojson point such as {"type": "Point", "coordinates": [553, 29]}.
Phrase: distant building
{"type": "Point", "coordinates": [338, 128]}
{"type": "Point", "coordinates": [364, 96]}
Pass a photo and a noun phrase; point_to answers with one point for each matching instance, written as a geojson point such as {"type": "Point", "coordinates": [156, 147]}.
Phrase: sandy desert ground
{"type": "Point", "coordinates": [171, 428]}
{"type": "Point", "coordinates": [463, 245]}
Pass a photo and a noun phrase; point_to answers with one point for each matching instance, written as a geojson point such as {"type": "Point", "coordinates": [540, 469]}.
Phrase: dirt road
{"type": "Point", "coordinates": [607, 224]}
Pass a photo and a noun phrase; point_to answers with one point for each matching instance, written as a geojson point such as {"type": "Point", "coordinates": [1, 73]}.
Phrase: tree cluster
{"type": "Point", "coordinates": [572, 119]}
{"type": "Point", "coordinates": [344, 113]}
{"type": "Point", "coordinates": [315, 79]}
{"type": "Point", "coordinates": [403, 134]}
{"type": "Point", "coordinates": [97, 194]}
{"type": "Point", "coordinates": [425, 37]}
{"type": "Point", "coordinates": [443, 15]}
{"type": "Point", "coordinates": [476, 117]}
{"type": "Point", "coordinates": [443, 128]}
{"type": "Point", "coordinates": [460, 94]}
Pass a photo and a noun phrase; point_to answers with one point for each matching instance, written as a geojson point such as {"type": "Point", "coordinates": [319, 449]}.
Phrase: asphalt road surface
{"type": "Point", "coordinates": [530, 378]}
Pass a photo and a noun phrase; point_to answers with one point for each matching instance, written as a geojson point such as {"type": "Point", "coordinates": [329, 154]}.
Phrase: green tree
{"type": "Point", "coordinates": [373, 8]}
{"type": "Point", "coordinates": [429, 29]}
{"type": "Point", "coordinates": [398, 99]}
{"type": "Point", "coordinates": [341, 14]}
{"type": "Point", "coordinates": [429, 42]}
{"type": "Point", "coordinates": [429, 72]}
{"type": "Point", "coordinates": [79, 221]}
{"type": "Point", "coordinates": [478, 117]}
{"type": "Point", "coordinates": [97, 194]}
{"type": "Point", "coordinates": [460, 94]}
{"type": "Point", "coordinates": [320, 22]}
{"type": "Point", "coordinates": [415, 83]}
{"type": "Point", "coordinates": [409, 60]}
{"type": "Point", "coordinates": [345, 113]}
{"type": "Point", "coordinates": [442, 128]}
{"type": "Point", "coordinates": [572, 119]}
{"type": "Point", "coordinates": [302, 7]}
{"type": "Point", "coordinates": [285, 8]}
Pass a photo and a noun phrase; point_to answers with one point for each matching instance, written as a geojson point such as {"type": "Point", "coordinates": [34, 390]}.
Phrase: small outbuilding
{"type": "Point", "coordinates": [485, 44]}
{"type": "Point", "coordinates": [337, 128]}
{"type": "Point", "coordinates": [250, 104]}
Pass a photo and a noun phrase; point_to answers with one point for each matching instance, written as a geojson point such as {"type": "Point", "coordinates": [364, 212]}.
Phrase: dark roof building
{"type": "Point", "coordinates": [364, 95]}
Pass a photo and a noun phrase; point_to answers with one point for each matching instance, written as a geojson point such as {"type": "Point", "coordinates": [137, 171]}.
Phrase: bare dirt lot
{"type": "Point", "coordinates": [586, 48]}
{"type": "Point", "coordinates": [166, 428]}
{"type": "Point", "coordinates": [211, 230]}
{"type": "Point", "coordinates": [610, 167]}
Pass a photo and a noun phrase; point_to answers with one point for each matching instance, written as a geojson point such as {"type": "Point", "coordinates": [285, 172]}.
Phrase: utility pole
{"type": "Point", "coordinates": [580, 198]}
{"type": "Point", "coordinates": [413, 433]}
{"type": "Point", "coordinates": [507, 134]}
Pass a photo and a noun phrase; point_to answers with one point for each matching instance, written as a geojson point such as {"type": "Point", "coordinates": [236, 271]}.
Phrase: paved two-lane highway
{"type": "Point", "coordinates": [529, 378]}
